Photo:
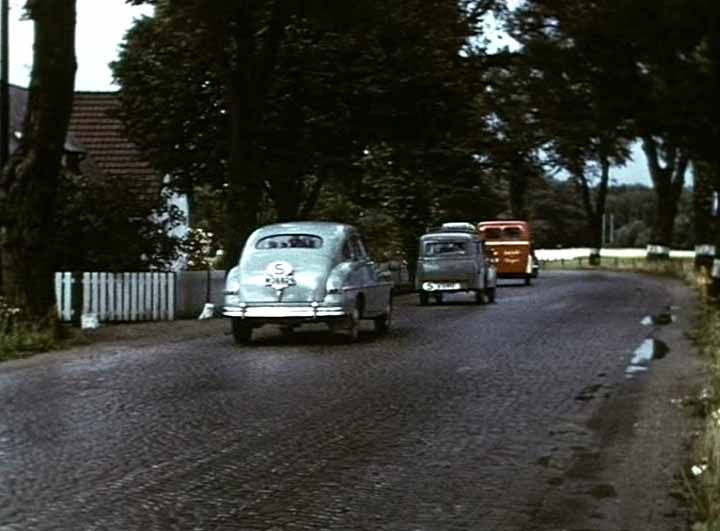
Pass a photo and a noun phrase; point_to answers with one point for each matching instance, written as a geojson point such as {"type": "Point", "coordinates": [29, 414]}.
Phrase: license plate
{"type": "Point", "coordinates": [441, 286]}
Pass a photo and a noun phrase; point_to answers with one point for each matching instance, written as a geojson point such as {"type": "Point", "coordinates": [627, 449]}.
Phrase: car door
{"type": "Point", "coordinates": [368, 277]}
{"type": "Point", "coordinates": [354, 280]}
{"type": "Point", "coordinates": [480, 260]}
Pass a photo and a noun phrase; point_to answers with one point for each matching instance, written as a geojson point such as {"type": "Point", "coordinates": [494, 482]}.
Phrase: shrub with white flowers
{"type": "Point", "coordinates": [8, 315]}
{"type": "Point", "coordinates": [198, 246]}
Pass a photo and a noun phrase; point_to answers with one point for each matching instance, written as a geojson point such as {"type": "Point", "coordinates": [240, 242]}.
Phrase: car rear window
{"type": "Point", "coordinates": [290, 241]}
{"type": "Point", "coordinates": [445, 248]}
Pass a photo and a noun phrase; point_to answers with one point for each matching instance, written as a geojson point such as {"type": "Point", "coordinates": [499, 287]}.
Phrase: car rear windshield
{"type": "Point", "coordinates": [445, 248]}
{"type": "Point", "coordinates": [290, 241]}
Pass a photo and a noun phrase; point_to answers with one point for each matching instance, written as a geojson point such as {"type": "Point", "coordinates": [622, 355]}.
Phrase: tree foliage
{"type": "Point", "coordinates": [270, 102]}
{"type": "Point", "coordinates": [627, 70]}
{"type": "Point", "coordinates": [111, 229]}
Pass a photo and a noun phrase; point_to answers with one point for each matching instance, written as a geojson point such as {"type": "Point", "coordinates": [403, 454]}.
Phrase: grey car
{"type": "Point", "coordinates": [453, 260]}
{"type": "Point", "coordinates": [306, 272]}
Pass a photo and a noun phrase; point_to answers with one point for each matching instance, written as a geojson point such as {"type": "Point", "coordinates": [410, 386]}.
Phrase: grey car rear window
{"type": "Point", "coordinates": [445, 248]}
{"type": "Point", "coordinates": [290, 241]}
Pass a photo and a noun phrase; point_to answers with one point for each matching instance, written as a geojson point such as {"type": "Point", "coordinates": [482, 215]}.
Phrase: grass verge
{"type": "Point", "coordinates": [702, 479]}
{"type": "Point", "coordinates": [24, 339]}
{"type": "Point", "coordinates": [680, 267]}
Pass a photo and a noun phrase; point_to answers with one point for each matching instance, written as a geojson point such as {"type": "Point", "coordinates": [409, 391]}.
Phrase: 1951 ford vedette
{"type": "Point", "coordinates": [306, 272]}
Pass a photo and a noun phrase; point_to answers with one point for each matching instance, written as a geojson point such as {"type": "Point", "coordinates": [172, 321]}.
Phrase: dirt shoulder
{"type": "Point", "coordinates": [155, 332]}
{"type": "Point", "coordinates": [627, 473]}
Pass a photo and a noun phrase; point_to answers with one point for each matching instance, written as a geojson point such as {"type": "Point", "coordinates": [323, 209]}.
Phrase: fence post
{"type": "Point", "coordinates": [76, 298]}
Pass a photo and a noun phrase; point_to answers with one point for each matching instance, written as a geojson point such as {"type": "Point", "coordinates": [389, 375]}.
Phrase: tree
{"type": "Point", "coordinates": [97, 214]}
{"type": "Point", "coordinates": [567, 68]}
{"type": "Point", "coordinates": [512, 138]}
{"type": "Point", "coordinates": [29, 181]}
{"type": "Point", "coordinates": [301, 89]}
{"type": "Point", "coordinates": [648, 63]}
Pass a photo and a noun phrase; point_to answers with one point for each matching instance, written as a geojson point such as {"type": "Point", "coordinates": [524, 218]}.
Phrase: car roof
{"type": "Point", "coordinates": [447, 235]}
{"type": "Point", "coordinates": [324, 229]}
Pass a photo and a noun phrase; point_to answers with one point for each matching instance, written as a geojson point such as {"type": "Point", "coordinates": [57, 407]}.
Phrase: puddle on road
{"type": "Point", "coordinates": [665, 317]}
{"type": "Point", "coordinates": [659, 319]}
{"type": "Point", "coordinates": [650, 349]}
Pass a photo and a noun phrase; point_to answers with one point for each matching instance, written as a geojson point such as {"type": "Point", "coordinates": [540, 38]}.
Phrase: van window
{"type": "Point", "coordinates": [492, 233]}
{"type": "Point", "coordinates": [513, 233]}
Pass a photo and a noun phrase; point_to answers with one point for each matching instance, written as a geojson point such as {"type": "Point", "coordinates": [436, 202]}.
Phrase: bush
{"type": "Point", "coordinates": [18, 337]}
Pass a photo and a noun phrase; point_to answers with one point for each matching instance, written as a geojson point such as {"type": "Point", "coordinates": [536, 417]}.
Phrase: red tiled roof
{"type": "Point", "coordinates": [101, 133]}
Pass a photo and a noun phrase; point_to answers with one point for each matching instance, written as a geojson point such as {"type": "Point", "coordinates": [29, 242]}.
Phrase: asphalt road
{"type": "Point", "coordinates": [447, 423]}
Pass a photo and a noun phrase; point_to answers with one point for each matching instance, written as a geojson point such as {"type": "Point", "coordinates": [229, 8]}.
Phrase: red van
{"type": "Point", "coordinates": [512, 244]}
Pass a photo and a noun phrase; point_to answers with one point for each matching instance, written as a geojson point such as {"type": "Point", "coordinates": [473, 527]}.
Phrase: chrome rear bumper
{"type": "Point", "coordinates": [284, 312]}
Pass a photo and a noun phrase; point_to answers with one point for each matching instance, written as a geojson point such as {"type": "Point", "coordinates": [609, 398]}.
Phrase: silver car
{"type": "Point", "coordinates": [306, 272]}
{"type": "Point", "coordinates": [454, 259]}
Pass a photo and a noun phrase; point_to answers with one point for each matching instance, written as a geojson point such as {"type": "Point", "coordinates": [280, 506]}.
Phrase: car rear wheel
{"type": "Point", "coordinates": [528, 280]}
{"type": "Point", "coordinates": [479, 297]}
{"type": "Point", "coordinates": [382, 323]}
{"type": "Point", "coordinates": [352, 327]}
{"type": "Point", "coordinates": [241, 331]}
{"type": "Point", "coordinates": [424, 298]}
{"type": "Point", "coordinates": [490, 294]}
{"type": "Point", "coordinates": [438, 298]}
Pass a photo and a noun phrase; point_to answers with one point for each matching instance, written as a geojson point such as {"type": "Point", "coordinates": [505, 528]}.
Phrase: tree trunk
{"type": "Point", "coordinates": [28, 185]}
{"type": "Point", "coordinates": [702, 216]}
{"type": "Point", "coordinates": [518, 190]}
{"type": "Point", "coordinates": [668, 181]}
{"type": "Point", "coordinates": [594, 212]}
{"type": "Point", "coordinates": [252, 63]}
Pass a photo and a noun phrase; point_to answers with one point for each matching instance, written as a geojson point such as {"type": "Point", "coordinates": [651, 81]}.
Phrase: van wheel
{"type": "Point", "coordinates": [241, 331]}
{"type": "Point", "coordinates": [424, 298]}
{"type": "Point", "coordinates": [382, 323]}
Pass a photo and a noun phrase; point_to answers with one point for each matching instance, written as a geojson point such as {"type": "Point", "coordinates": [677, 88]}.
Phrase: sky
{"type": "Point", "coordinates": [101, 26]}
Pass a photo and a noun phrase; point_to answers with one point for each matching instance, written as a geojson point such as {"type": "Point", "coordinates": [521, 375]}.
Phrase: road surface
{"type": "Point", "coordinates": [519, 415]}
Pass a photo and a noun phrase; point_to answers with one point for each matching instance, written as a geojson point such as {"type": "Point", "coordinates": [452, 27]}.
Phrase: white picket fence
{"type": "Point", "coordinates": [125, 297]}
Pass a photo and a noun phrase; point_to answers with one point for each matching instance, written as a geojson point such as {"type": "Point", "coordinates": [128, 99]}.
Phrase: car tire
{"type": "Point", "coordinates": [528, 280]}
{"type": "Point", "coordinates": [382, 323]}
{"type": "Point", "coordinates": [352, 327]}
{"type": "Point", "coordinates": [241, 331]}
{"type": "Point", "coordinates": [424, 298]}
{"type": "Point", "coordinates": [490, 294]}
{"type": "Point", "coordinates": [438, 298]}
{"type": "Point", "coordinates": [480, 297]}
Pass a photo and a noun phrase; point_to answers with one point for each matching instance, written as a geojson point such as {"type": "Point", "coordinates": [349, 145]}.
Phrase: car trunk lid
{"type": "Point", "coordinates": [293, 276]}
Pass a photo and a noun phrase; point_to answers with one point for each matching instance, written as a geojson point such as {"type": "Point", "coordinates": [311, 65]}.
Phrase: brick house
{"type": "Point", "coordinates": [97, 147]}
